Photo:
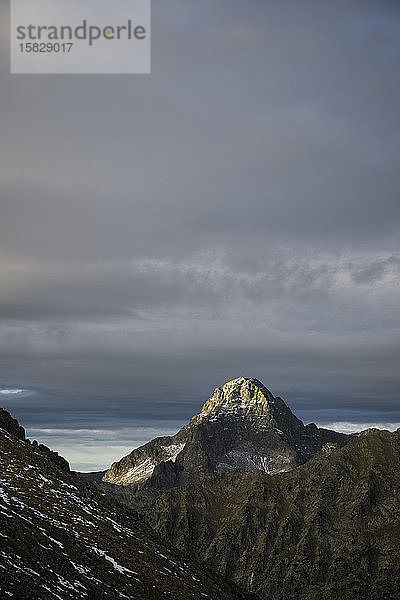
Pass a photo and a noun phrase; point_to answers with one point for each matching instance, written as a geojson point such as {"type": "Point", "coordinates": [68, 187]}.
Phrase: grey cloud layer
{"type": "Point", "coordinates": [236, 212]}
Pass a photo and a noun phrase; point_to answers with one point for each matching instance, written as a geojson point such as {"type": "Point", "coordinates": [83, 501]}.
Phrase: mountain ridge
{"type": "Point", "coordinates": [242, 425]}
{"type": "Point", "coordinates": [330, 528]}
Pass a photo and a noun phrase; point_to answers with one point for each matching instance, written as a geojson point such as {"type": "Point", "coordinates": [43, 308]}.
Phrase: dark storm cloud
{"type": "Point", "coordinates": [234, 213]}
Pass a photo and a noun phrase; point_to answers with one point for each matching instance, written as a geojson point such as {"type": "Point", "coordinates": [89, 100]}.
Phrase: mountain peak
{"type": "Point", "coordinates": [242, 426]}
{"type": "Point", "coordinates": [241, 396]}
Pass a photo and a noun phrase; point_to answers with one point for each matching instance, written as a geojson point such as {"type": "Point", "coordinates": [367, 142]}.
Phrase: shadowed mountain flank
{"type": "Point", "coordinates": [328, 529]}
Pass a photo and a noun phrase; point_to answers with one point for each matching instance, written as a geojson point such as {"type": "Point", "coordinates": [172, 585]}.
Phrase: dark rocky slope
{"type": "Point", "coordinates": [10, 425]}
{"type": "Point", "coordinates": [242, 426]}
{"type": "Point", "coordinates": [62, 539]}
{"type": "Point", "coordinates": [328, 529]}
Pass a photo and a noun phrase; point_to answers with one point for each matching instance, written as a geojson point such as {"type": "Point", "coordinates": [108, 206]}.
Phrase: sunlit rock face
{"type": "Point", "coordinates": [242, 426]}
{"type": "Point", "coordinates": [241, 397]}
{"type": "Point", "coordinates": [140, 464]}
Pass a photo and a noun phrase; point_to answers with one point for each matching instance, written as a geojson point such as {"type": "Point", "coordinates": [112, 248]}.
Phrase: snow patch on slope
{"type": "Point", "coordinates": [143, 470]}
{"type": "Point", "coordinates": [173, 450]}
{"type": "Point", "coordinates": [239, 459]}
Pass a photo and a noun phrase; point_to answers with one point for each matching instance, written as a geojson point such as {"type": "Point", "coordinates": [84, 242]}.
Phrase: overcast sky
{"type": "Point", "coordinates": [234, 213]}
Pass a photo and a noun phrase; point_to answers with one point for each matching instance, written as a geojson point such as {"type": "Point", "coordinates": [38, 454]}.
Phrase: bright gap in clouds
{"type": "Point", "coordinates": [344, 427]}
{"type": "Point", "coordinates": [10, 392]}
{"type": "Point", "coordinates": [96, 449]}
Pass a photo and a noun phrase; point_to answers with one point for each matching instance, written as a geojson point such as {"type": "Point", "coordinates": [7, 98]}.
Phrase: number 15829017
{"type": "Point", "coordinates": [46, 47]}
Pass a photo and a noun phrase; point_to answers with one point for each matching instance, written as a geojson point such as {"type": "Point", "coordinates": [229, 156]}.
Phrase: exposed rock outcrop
{"type": "Point", "coordinates": [11, 425]}
{"type": "Point", "coordinates": [242, 426]}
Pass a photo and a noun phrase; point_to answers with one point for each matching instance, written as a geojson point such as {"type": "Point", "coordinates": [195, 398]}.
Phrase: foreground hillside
{"type": "Point", "coordinates": [328, 529]}
{"type": "Point", "coordinates": [60, 538]}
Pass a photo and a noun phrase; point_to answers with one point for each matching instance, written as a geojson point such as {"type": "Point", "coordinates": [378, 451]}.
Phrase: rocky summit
{"type": "Point", "coordinates": [242, 426]}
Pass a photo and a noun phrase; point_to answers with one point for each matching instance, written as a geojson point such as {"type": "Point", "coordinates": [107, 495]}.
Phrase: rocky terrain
{"type": "Point", "coordinates": [260, 506]}
{"type": "Point", "coordinates": [242, 426]}
{"type": "Point", "coordinates": [328, 529]}
{"type": "Point", "coordinates": [286, 511]}
{"type": "Point", "coordinates": [62, 539]}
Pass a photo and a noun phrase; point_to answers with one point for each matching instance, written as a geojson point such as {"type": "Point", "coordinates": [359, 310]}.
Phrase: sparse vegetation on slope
{"type": "Point", "coordinates": [329, 529]}
{"type": "Point", "coordinates": [61, 538]}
